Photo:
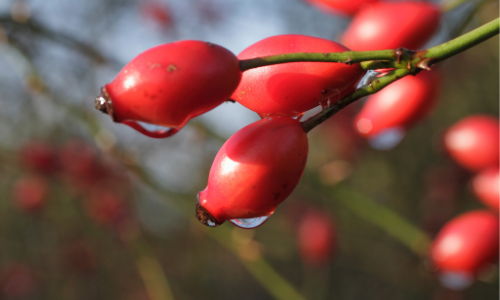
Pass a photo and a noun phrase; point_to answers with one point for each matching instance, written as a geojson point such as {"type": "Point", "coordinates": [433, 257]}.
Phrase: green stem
{"type": "Point", "coordinates": [384, 218]}
{"type": "Point", "coordinates": [399, 55]}
{"type": "Point", "coordinates": [366, 90]}
{"type": "Point", "coordinates": [261, 270]}
{"type": "Point", "coordinates": [150, 270]}
{"type": "Point", "coordinates": [419, 60]}
{"type": "Point", "coordinates": [464, 42]}
{"type": "Point", "coordinates": [348, 57]}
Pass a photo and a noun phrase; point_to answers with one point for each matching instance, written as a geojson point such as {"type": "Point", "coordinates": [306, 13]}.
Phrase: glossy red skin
{"type": "Point", "coordinates": [316, 238]}
{"type": "Point", "coordinates": [401, 104]}
{"type": "Point", "coordinates": [169, 84]}
{"type": "Point", "coordinates": [486, 187]}
{"type": "Point", "coordinates": [30, 193]}
{"type": "Point", "coordinates": [293, 88]}
{"type": "Point", "coordinates": [390, 25]}
{"type": "Point", "coordinates": [466, 243]}
{"type": "Point", "coordinates": [256, 169]}
{"type": "Point", "coordinates": [473, 142]}
{"type": "Point", "coordinates": [345, 7]}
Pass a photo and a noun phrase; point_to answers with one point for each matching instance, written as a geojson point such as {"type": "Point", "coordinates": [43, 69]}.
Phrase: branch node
{"type": "Point", "coordinates": [425, 63]}
{"type": "Point", "coordinates": [399, 54]}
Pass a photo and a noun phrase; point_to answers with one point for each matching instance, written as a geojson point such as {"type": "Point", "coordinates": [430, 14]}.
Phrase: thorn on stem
{"type": "Point", "coordinates": [425, 63]}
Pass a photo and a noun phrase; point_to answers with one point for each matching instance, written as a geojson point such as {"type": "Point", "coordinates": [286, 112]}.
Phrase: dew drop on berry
{"type": "Point", "coordinates": [456, 281]}
{"type": "Point", "coordinates": [250, 222]}
{"type": "Point", "coordinates": [387, 139]}
{"type": "Point", "coordinates": [151, 130]}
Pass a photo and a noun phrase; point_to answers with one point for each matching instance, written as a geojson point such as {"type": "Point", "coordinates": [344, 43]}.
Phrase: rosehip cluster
{"type": "Point", "coordinates": [474, 144]}
{"type": "Point", "coordinates": [259, 166]}
{"type": "Point", "coordinates": [468, 243]}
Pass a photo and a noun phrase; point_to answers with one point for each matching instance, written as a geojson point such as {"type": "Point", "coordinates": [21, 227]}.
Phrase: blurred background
{"type": "Point", "coordinates": [92, 209]}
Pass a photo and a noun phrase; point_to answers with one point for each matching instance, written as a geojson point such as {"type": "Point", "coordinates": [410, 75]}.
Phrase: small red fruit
{"type": "Point", "coordinates": [316, 238]}
{"type": "Point", "coordinates": [79, 258]}
{"type": "Point", "coordinates": [39, 156]}
{"type": "Point", "coordinates": [254, 171]}
{"type": "Point", "coordinates": [157, 12]}
{"type": "Point", "coordinates": [486, 186]}
{"type": "Point", "coordinates": [346, 7]}
{"type": "Point", "coordinates": [465, 245]}
{"type": "Point", "coordinates": [30, 193]}
{"type": "Point", "coordinates": [169, 84]}
{"type": "Point", "coordinates": [107, 208]}
{"type": "Point", "coordinates": [473, 142]}
{"type": "Point", "coordinates": [17, 282]}
{"type": "Point", "coordinates": [400, 105]}
{"type": "Point", "coordinates": [390, 25]}
{"type": "Point", "coordinates": [293, 88]}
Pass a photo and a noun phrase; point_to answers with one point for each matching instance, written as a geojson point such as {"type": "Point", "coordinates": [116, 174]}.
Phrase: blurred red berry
{"type": "Point", "coordinates": [30, 193]}
{"type": "Point", "coordinates": [79, 258]}
{"type": "Point", "coordinates": [157, 12]}
{"type": "Point", "coordinates": [400, 105]}
{"type": "Point", "coordinates": [464, 246]}
{"type": "Point", "coordinates": [345, 7]}
{"type": "Point", "coordinates": [107, 208]}
{"type": "Point", "coordinates": [316, 237]}
{"type": "Point", "coordinates": [486, 186]}
{"type": "Point", "coordinates": [39, 156]}
{"type": "Point", "coordinates": [390, 25]}
{"type": "Point", "coordinates": [473, 142]}
{"type": "Point", "coordinates": [16, 281]}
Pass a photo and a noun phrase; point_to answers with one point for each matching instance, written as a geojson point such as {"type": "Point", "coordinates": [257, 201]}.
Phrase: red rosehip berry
{"type": "Point", "coordinates": [157, 12]}
{"type": "Point", "coordinates": [39, 156]}
{"type": "Point", "coordinates": [293, 88]}
{"type": "Point", "coordinates": [30, 193]}
{"type": "Point", "coordinates": [107, 208]}
{"type": "Point", "coordinates": [345, 7]}
{"type": "Point", "coordinates": [316, 237]}
{"type": "Point", "coordinates": [486, 186]}
{"type": "Point", "coordinates": [79, 258]}
{"type": "Point", "coordinates": [399, 105]}
{"type": "Point", "coordinates": [389, 25]}
{"type": "Point", "coordinates": [465, 245]}
{"type": "Point", "coordinates": [16, 282]}
{"type": "Point", "coordinates": [169, 84]}
{"type": "Point", "coordinates": [473, 142]}
{"type": "Point", "coordinates": [254, 171]}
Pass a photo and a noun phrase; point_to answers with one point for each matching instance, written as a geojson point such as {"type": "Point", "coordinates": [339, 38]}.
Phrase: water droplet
{"type": "Point", "coordinates": [369, 76]}
{"type": "Point", "coordinates": [299, 117]}
{"type": "Point", "coordinates": [387, 139]}
{"type": "Point", "coordinates": [211, 223]}
{"type": "Point", "coordinates": [456, 281]}
{"type": "Point", "coordinates": [250, 222]}
{"type": "Point", "coordinates": [152, 130]}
